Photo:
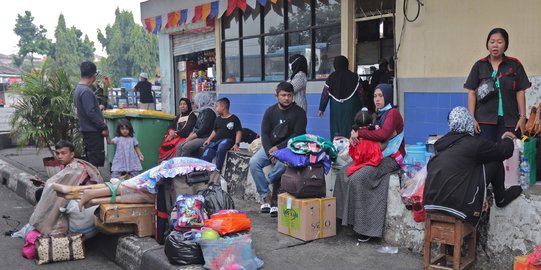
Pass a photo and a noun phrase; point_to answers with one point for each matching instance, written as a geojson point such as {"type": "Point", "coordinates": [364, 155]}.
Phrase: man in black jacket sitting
{"type": "Point", "coordinates": [462, 168]}
{"type": "Point", "coordinates": [281, 122]}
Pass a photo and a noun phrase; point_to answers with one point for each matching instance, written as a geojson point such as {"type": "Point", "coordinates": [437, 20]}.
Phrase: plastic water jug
{"type": "Point", "coordinates": [416, 157]}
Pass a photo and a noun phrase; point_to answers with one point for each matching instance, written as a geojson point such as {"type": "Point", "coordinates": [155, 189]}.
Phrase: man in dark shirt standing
{"type": "Point", "coordinates": [144, 87]}
{"type": "Point", "coordinates": [91, 123]}
{"type": "Point", "coordinates": [281, 122]}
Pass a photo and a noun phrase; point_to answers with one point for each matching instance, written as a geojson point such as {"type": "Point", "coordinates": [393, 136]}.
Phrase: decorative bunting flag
{"type": "Point", "coordinates": [214, 7]}
{"type": "Point", "coordinates": [198, 12]}
{"type": "Point", "coordinates": [233, 4]}
{"type": "Point", "coordinates": [183, 16]}
{"type": "Point", "coordinates": [242, 5]}
{"type": "Point", "coordinates": [153, 24]}
{"type": "Point", "coordinates": [262, 2]}
{"type": "Point", "coordinates": [274, 1]}
{"type": "Point", "coordinates": [173, 19]}
{"type": "Point", "coordinates": [205, 11]}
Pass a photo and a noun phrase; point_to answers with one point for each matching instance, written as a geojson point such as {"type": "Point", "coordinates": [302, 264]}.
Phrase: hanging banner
{"type": "Point", "coordinates": [153, 24]}
{"type": "Point", "coordinates": [173, 19]}
{"type": "Point", "coordinates": [183, 16]}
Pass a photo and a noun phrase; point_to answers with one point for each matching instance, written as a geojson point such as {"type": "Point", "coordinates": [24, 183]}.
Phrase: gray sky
{"type": "Point", "coordinates": [87, 16]}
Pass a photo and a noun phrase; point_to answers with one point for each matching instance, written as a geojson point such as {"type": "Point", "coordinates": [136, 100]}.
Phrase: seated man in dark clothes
{"type": "Point", "coordinates": [462, 168]}
{"type": "Point", "coordinates": [227, 134]}
{"type": "Point", "coordinates": [281, 122]}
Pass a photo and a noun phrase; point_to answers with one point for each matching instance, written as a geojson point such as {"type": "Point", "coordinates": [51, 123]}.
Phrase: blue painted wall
{"type": "Point", "coordinates": [426, 113]}
{"type": "Point", "coordinates": [251, 107]}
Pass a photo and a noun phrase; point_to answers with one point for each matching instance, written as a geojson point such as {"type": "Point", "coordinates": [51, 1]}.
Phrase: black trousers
{"type": "Point", "coordinates": [495, 175]}
{"type": "Point", "coordinates": [94, 148]}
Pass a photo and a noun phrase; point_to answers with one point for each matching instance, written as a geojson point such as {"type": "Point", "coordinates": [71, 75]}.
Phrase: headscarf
{"type": "Point", "coordinates": [298, 63]}
{"type": "Point", "coordinates": [342, 82]}
{"type": "Point", "coordinates": [387, 91]}
{"type": "Point", "coordinates": [203, 100]}
{"type": "Point", "coordinates": [461, 121]}
{"type": "Point", "coordinates": [189, 103]}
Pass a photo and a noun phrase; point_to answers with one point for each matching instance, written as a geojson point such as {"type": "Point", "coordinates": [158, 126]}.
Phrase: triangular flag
{"type": "Point", "coordinates": [150, 24]}
{"type": "Point", "coordinates": [198, 12]}
{"type": "Point", "coordinates": [214, 8]}
{"type": "Point", "coordinates": [158, 25]}
{"type": "Point", "coordinates": [172, 19]}
{"type": "Point", "coordinates": [262, 2]}
{"type": "Point", "coordinates": [205, 11]}
{"type": "Point", "coordinates": [251, 3]}
{"type": "Point", "coordinates": [242, 5]}
{"type": "Point", "coordinates": [183, 16]}
{"type": "Point", "coordinates": [274, 1]}
{"type": "Point", "coordinates": [231, 6]}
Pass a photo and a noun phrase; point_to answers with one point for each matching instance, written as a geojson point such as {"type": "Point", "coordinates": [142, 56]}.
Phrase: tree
{"type": "Point", "coordinates": [32, 39]}
{"type": "Point", "coordinates": [69, 49]}
{"type": "Point", "coordinates": [130, 49]}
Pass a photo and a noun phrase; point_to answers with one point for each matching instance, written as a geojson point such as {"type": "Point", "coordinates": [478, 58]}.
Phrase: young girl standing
{"type": "Point", "coordinates": [128, 156]}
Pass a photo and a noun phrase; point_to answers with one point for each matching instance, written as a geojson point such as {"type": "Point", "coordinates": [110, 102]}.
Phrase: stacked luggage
{"type": "Point", "coordinates": [308, 159]}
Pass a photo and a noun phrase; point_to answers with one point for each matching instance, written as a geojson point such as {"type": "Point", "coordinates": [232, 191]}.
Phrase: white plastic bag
{"type": "Point", "coordinates": [411, 185]}
{"type": "Point", "coordinates": [81, 221]}
{"type": "Point", "coordinates": [342, 147]}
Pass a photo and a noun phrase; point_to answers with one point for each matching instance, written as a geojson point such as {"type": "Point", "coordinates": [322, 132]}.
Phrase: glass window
{"type": "Point", "coordinates": [232, 61]}
{"type": "Point", "coordinates": [274, 17]}
{"type": "Point", "coordinates": [231, 25]}
{"type": "Point", "coordinates": [327, 12]}
{"type": "Point", "coordinates": [299, 14]}
{"type": "Point", "coordinates": [274, 58]}
{"type": "Point", "coordinates": [251, 24]}
{"type": "Point", "coordinates": [251, 60]}
{"type": "Point", "coordinates": [300, 43]}
{"type": "Point", "coordinates": [327, 48]}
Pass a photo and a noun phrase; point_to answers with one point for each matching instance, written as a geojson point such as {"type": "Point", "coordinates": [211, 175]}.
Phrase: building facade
{"type": "Point", "coordinates": [244, 46]}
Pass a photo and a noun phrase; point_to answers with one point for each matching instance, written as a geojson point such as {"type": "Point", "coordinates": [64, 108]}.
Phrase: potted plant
{"type": "Point", "coordinates": [45, 112]}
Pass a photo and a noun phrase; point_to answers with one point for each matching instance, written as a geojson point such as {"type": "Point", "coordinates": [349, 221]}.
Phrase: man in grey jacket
{"type": "Point", "coordinates": [91, 123]}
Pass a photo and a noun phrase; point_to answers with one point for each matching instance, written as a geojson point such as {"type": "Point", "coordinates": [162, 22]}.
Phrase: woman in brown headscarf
{"type": "Point", "coordinates": [344, 91]}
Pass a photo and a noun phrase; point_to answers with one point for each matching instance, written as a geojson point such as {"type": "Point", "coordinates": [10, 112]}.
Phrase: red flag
{"type": "Point", "coordinates": [172, 19]}
{"type": "Point", "coordinates": [198, 12]}
{"type": "Point", "coordinates": [231, 5]}
{"type": "Point", "coordinates": [206, 11]}
{"type": "Point", "coordinates": [242, 5]}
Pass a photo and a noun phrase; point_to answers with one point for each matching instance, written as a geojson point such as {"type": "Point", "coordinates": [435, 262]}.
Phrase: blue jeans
{"type": "Point", "coordinates": [217, 149]}
{"type": "Point", "coordinates": [259, 161]}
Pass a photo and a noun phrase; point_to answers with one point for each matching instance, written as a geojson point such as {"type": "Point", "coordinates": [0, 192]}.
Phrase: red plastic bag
{"type": "Point", "coordinates": [229, 221]}
{"type": "Point", "coordinates": [535, 257]}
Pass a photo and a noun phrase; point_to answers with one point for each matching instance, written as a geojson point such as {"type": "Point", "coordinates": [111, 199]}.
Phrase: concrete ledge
{"type": "Point", "coordinates": [18, 181]}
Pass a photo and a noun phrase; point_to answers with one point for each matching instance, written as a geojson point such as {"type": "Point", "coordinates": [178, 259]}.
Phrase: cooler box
{"type": "Point", "coordinates": [141, 215]}
{"type": "Point", "coordinates": [306, 219]}
{"type": "Point", "coordinates": [149, 127]}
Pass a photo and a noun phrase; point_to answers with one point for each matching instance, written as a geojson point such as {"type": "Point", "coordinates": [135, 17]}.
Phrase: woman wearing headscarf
{"type": "Point", "coordinates": [344, 91]}
{"type": "Point", "coordinates": [178, 131]}
{"type": "Point", "coordinates": [299, 69]}
{"type": "Point", "coordinates": [464, 165]}
{"type": "Point", "coordinates": [361, 198]}
{"type": "Point", "coordinates": [204, 125]}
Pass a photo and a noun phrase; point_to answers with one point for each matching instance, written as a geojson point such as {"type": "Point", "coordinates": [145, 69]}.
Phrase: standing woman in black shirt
{"type": "Point", "coordinates": [506, 110]}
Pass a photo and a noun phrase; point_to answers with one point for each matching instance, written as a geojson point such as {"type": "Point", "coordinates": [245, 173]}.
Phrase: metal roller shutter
{"type": "Point", "coordinates": [193, 42]}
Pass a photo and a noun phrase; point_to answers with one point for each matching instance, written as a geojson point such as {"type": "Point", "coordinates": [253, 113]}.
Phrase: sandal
{"type": "Point", "coordinates": [274, 211]}
{"type": "Point", "coordinates": [265, 208]}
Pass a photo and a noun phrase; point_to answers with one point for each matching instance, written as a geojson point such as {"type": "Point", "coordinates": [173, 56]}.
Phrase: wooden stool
{"type": "Point", "coordinates": [448, 230]}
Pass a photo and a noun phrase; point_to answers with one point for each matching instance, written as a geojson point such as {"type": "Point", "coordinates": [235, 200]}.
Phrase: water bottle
{"type": "Point", "coordinates": [524, 173]}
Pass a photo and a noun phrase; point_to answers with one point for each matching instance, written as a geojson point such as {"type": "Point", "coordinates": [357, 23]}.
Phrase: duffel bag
{"type": "Point", "coordinates": [304, 182]}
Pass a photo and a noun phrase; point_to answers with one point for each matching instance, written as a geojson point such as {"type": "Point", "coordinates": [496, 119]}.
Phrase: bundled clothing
{"type": "Point", "coordinates": [46, 217]}
{"type": "Point", "coordinates": [344, 92]}
{"type": "Point", "coordinates": [464, 165]}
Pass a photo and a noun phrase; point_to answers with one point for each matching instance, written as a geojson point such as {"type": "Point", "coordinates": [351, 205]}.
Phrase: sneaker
{"type": "Point", "coordinates": [274, 211]}
{"type": "Point", "coordinates": [363, 238]}
{"type": "Point", "coordinates": [265, 208]}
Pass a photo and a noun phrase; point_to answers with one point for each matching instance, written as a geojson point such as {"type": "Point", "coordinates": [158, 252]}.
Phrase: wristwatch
{"type": "Point", "coordinates": [237, 144]}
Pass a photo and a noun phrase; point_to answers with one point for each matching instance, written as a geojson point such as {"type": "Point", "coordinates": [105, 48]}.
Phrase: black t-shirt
{"type": "Point", "coordinates": [512, 77]}
{"type": "Point", "coordinates": [145, 90]}
{"type": "Point", "coordinates": [226, 128]}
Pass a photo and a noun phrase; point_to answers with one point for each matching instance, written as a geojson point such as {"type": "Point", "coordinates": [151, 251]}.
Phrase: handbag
{"type": "Point", "coordinates": [486, 90]}
{"type": "Point", "coordinates": [279, 132]}
{"type": "Point", "coordinates": [58, 248]}
{"type": "Point", "coordinates": [305, 182]}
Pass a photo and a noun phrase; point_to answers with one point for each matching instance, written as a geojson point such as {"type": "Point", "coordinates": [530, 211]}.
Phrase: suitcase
{"type": "Point", "coordinates": [169, 189]}
{"type": "Point", "coordinates": [304, 182]}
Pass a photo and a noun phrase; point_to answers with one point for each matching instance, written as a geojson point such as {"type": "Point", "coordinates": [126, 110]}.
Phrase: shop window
{"type": "Point", "coordinates": [327, 48]}
{"type": "Point", "coordinates": [327, 12]}
{"type": "Point", "coordinates": [274, 58]}
{"type": "Point", "coordinates": [232, 61]}
{"type": "Point", "coordinates": [251, 22]}
{"type": "Point", "coordinates": [312, 29]}
{"type": "Point", "coordinates": [251, 60]}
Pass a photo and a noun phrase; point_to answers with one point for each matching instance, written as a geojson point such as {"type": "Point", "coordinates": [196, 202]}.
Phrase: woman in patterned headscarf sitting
{"type": "Point", "coordinates": [462, 168]}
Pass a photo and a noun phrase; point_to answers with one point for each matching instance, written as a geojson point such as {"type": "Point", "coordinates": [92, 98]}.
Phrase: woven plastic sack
{"type": "Point", "coordinates": [230, 253]}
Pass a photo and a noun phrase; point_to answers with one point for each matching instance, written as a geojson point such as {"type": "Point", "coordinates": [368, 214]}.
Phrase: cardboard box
{"type": "Point", "coordinates": [521, 264]}
{"type": "Point", "coordinates": [306, 219]}
{"type": "Point", "coordinates": [115, 228]}
{"type": "Point", "coordinates": [139, 214]}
